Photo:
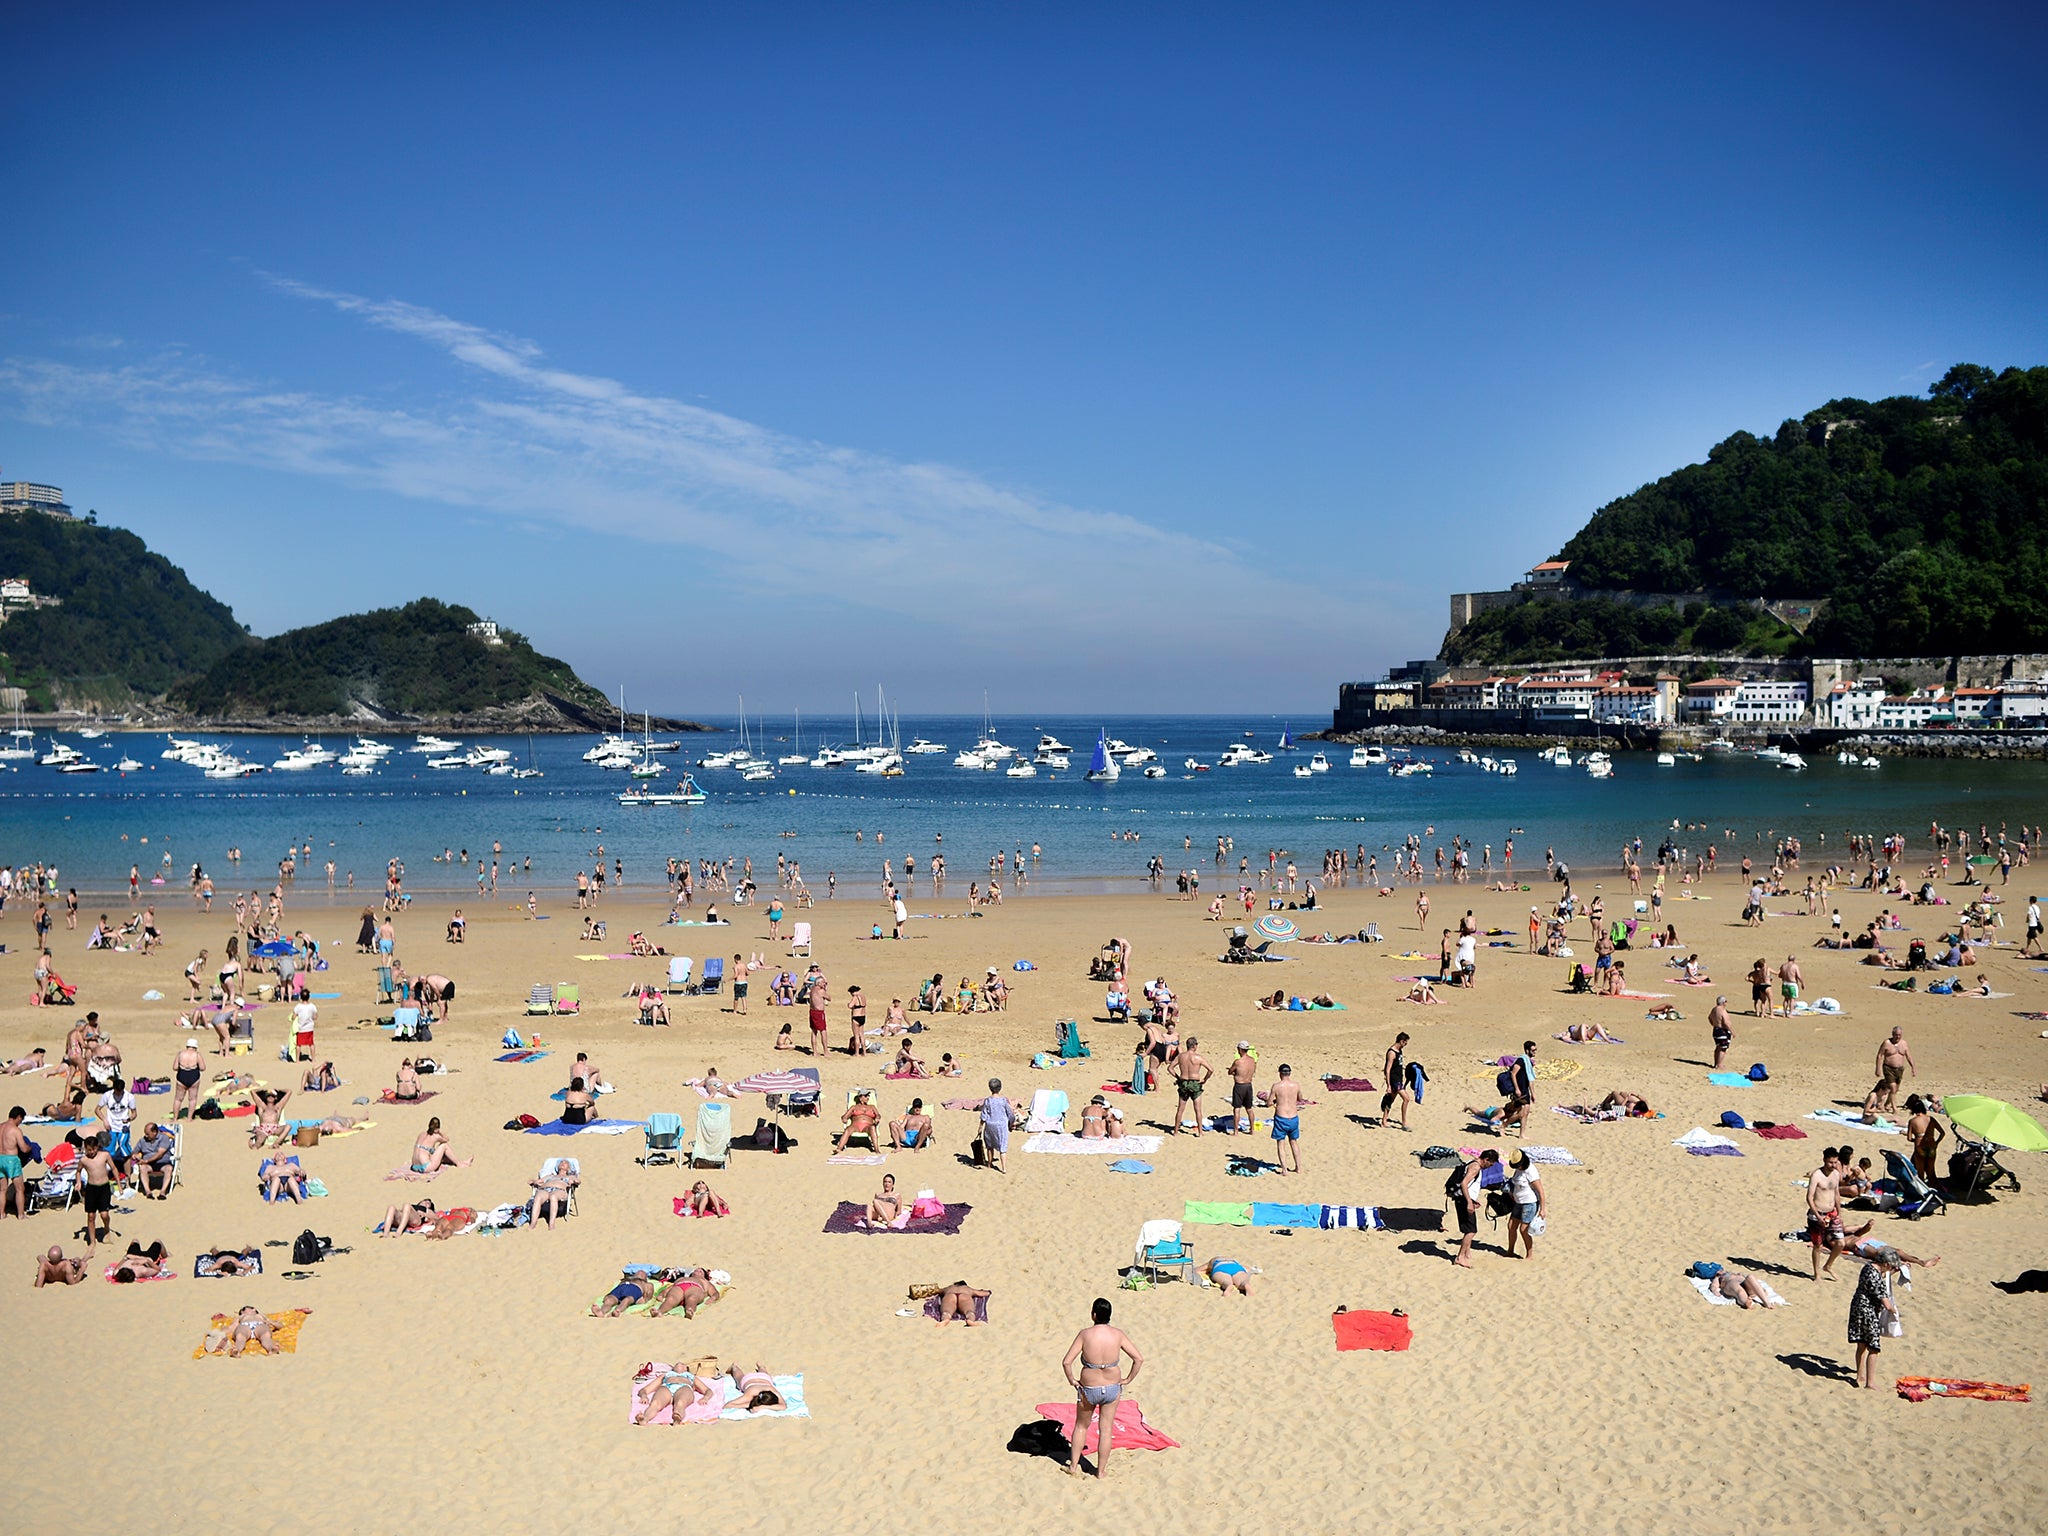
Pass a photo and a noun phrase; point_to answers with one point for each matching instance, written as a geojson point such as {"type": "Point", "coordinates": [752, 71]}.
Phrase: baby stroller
{"type": "Point", "coordinates": [1238, 952]}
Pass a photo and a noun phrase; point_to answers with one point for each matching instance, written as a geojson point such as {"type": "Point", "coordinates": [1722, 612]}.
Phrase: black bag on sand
{"type": "Point", "coordinates": [308, 1249]}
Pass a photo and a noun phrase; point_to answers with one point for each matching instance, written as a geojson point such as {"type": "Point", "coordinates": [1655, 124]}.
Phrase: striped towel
{"type": "Point", "coordinates": [1365, 1218]}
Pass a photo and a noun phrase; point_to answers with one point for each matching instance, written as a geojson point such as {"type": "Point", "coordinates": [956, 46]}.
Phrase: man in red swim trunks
{"type": "Point", "coordinates": [820, 995]}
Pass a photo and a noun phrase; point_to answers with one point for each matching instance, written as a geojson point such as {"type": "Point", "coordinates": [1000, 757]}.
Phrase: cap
{"type": "Point", "coordinates": [192, 1042]}
{"type": "Point", "coordinates": [1244, 1045]}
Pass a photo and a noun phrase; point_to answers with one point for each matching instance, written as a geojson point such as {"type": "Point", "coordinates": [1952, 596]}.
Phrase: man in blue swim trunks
{"type": "Point", "coordinates": [13, 1148]}
{"type": "Point", "coordinates": [1284, 1100]}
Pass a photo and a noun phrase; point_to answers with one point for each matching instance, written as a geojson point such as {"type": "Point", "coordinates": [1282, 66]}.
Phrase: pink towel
{"type": "Point", "coordinates": [1131, 1432]}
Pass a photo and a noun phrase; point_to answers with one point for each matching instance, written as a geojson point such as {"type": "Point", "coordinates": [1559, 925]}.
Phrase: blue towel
{"type": "Point", "coordinates": [1268, 1214]}
{"type": "Point", "coordinates": [1729, 1079]}
{"type": "Point", "coordinates": [1129, 1165]}
{"type": "Point", "coordinates": [1416, 1079]}
{"type": "Point", "coordinates": [557, 1128]}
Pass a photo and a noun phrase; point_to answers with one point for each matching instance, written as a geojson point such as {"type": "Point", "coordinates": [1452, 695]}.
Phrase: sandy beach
{"type": "Point", "coordinates": [460, 1385]}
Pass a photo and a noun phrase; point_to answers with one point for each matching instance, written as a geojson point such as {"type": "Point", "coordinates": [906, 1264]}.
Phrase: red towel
{"type": "Point", "coordinates": [1132, 1433]}
{"type": "Point", "coordinates": [1917, 1389]}
{"type": "Point", "coordinates": [1348, 1084]}
{"type": "Point", "coordinates": [1781, 1133]}
{"type": "Point", "coordinates": [1371, 1330]}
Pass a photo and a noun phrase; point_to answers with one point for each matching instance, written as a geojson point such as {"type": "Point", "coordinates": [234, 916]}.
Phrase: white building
{"type": "Point", "coordinates": [1917, 711]}
{"type": "Point", "coordinates": [1711, 698]}
{"type": "Point", "coordinates": [1558, 698]}
{"type": "Point", "coordinates": [1472, 693]}
{"type": "Point", "coordinates": [1768, 702]}
{"type": "Point", "coordinates": [2023, 701]}
{"type": "Point", "coordinates": [486, 630]}
{"type": "Point", "coordinates": [1629, 703]}
{"type": "Point", "coordinates": [1854, 706]}
{"type": "Point", "coordinates": [1974, 705]}
{"type": "Point", "coordinates": [27, 496]}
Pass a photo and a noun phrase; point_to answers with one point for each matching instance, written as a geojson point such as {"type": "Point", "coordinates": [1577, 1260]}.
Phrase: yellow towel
{"type": "Point", "coordinates": [284, 1332]}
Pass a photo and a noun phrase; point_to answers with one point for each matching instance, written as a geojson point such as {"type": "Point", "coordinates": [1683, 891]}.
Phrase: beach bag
{"type": "Point", "coordinates": [528, 1122]}
{"type": "Point", "coordinates": [770, 1137]}
{"type": "Point", "coordinates": [1440, 1157]}
{"type": "Point", "coordinates": [1704, 1269]}
{"type": "Point", "coordinates": [306, 1136]}
{"type": "Point", "coordinates": [1733, 1121]}
{"type": "Point", "coordinates": [210, 1110]}
{"type": "Point", "coordinates": [1504, 1083]}
{"type": "Point", "coordinates": [1759, 1073]}
{"type": "Point", "coordinates": [308, 1249]}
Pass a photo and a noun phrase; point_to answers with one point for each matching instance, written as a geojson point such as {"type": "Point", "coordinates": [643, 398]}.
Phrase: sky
{"type": "Point", "coordinates": [1175, 358]}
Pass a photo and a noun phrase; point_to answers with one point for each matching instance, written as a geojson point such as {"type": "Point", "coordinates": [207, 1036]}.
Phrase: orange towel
{"type": "Point", "coordinates": [1917, 1389]}
{"type": "Point", "coordinates": [1371, 1330]}
{"type": "Point", "coordinates": [284, 1331]}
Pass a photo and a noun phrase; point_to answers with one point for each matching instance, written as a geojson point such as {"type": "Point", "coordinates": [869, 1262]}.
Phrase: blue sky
{"type": "Point", "coordinates": [1175, 358]}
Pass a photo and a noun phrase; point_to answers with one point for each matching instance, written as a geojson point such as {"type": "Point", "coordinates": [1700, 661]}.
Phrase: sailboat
{"type": "Point", "coordinates": [1102, 768]}
{"type": "Point", "coordinates": [24, 747]}
{"type": "Point", "coordinates": [529, 771]}
{"type": "Point", "coordinates": [795, 758]}
{"type": "Point", "coordinates": [646, 767]}
{"type": "Point", "coordinates": [881, 757]}
{"type": "Point", "coordinates": [1286, 741]}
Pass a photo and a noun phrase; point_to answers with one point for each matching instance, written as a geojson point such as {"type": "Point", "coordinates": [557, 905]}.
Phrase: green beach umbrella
{"type": "Point", "coordinates": [1996, 1121]}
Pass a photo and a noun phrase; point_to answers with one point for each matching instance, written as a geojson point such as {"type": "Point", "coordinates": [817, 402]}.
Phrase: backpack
{"type": "Point", "coordinates": [308, 1249]}
{"type": "Point", "coordinates": [770, 1137]}
{"type": "Point", "coordinates": [1733, 1121]}
{"type": "Point", "coordinates": [1704, 1269]}
{"type": "Point", "coordinates": [1504, 1083]}
{"type": "Point", "coordinates": [1454, 1182]}
{"type": "Point", "coordinates": [1759, 1073]}
{"type": "Point", "coordinates": [210, 1110]}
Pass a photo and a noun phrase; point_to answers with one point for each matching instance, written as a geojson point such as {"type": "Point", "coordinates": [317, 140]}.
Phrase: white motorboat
{"type": "Point", "coordinates": [225, 767]}
{"type": "Point", "coordinates": [1021, 770]}
{"type": "Point", "coordinates": [718, 760]}
{"type": "Point", "coordinates": [356, 768]}
{"type": "Point", "coordinates": [1666, 760]}
{"type": "Point", "coordinates": [500, 755]}
{"type": "Point", "coordinates": [1119, 748]}
{"type": "Point", "coordinates": [1791, 760]}
{"type": "Point", "coordinates": [433, 744]}
{"type": "Point", "coordinates": [449, 762]}
{"type": "Point", "coordinates": [501, 770]}
{"type": "Point", "coordinates": [1051, 743]}
{"type": "Point", "coordinates": [756, 772]}
{"type": "Point", "coordinates": [1319, 764]}
{"type": "Point", "coordinates": [91, 732]}
{"type": "Point", "coordinates": [1560, 755]}
{"type": "Point", "coordinates": [1193, 766]}
{"type": "Point", "coordinates": [1103, 767]}
{"type": "Point", "coordinates": [609, 746]}
{"type": "Point", "coordinates": [1599, 765]}
{"type": "Point", "coordinates": [368, 746]}
{"type": "Point", "coordinates": [1467, 755]}
{"type": "Point", "coordinates": [1303, 771]}
{"type": "Point", "coordinates": [1053, 760]}
{"type": "Point", "coordinates": [923, 748]}
{"type": "Point", "coordinates": [1154, 771]}
{"type": "Point", "coordinates": [970, 760]}
{"type": "Point", "coordinates": [829, 757]}
{"type": "Point", "coordinates": [685, 793]}
{"type": "Point", "coordinates": [1508, 767]}
{"type": "Point", "coordinates": [1237, 753]}
{"type": "Point", "coordinates": [1137, 757]}
{"type": "Point", "coordinates": [59, 755]}
{"type": "Point", "coordinates": [295, 761]}
{"type": "Point", "coordinates": [127, 765]}
{"type": "Point", "coordinates": [883, 761]}
{"type": "Point", "coordinates": [1368, 757]}
{"type": "Point", "coordinates": [1770, 754]}
{"type": "Point", "coordinates": [80, 765]}
{"type": "Point", "coordinates": [1870, 762]}
{"type": "Point", "coordinates": [1408, 770]}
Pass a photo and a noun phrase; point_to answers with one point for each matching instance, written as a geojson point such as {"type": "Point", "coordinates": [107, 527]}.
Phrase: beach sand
{"type": "Point", "coordinates": [459, 1385]}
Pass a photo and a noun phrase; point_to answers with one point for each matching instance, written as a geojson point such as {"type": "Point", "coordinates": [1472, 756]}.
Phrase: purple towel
{"type": "Point", "coordinates": [931, 1308]}
{"type": "Point", "coordinates": [848, 1216]}
{"type": "Point", "coordinates": [1715, 1151]}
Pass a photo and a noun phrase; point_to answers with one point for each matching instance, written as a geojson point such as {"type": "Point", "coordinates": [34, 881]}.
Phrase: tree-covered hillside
{"type": "Point", "coordinates": [129, 618]}
{"type": "Point", "coordinates": [1923, 522]}
{"type": "Point", "coordinates": [419, 660]}
{"type": "Point", "coordinates": [1554, 629]}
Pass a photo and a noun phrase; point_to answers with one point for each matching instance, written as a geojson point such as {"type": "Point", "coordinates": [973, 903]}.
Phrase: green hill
{"type": "Point", "coordinates": [419, 661]}
{"type": "Point", "coordinates": [1922, 523]}
{"type": "Point", "coordinates": [129, 622]}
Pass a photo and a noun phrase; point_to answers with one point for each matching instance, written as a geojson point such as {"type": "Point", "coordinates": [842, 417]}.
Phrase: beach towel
{"type": "Point", "coordinates": [932, 1308]}
{"type": "Point", "coordinates": [1129, 1165]}
{"type": "Point", "coordinates": [284, 1333]}
{"type": "Point", "coordinates": [1557, 1157]}
{"type": "Point", "coordinates": [1370, 1330]}
{"type": "Point", "coordinates": [1706, 1290]}
{"type": "Point", "coordinates": [859, 1159]}
{"type": "Point", "coordinates": [162, 1274]}
{"type": "Point", "coordinates": [1918, 1389]}
{"type": "Point", "coordinates": [1048, 1141]}
{"type": "Point", "coordinates": [1729, 1079]}
{"type": "Point", "coordinates": [594, 1128]}
{"type": "Point", "coordinates": [1641, 997]}
{"type": "Point", "coordinates": [852, 1217]}
{"type": "Point", "coordinates": [682, 1207]}
{"type": "Point", "coordinates": [1348, 1084]}
{"type": "Point", "coordinates": [524, 1055]}
{"type": "Point", "coordinates": [724, 1408]}
{"type": "Point", "coordinates": [1217, 1213]}
{"type": "Point", "coordinates": [1779, 1132]}
{"type": "Point", "coordinates": [390, 1096]}
{"type": "Point", "coordinates": [1881, 1126]}
{"type": "Point", "coordinates": [205, 1267]}
{"type": "Point", "coordinates": [1362, 1218]}
{"type": "Point", "coordinates": [1704, 1143]}
{"type": "Point", "coordinates": [1128, 1432]}
{"type": "Point", "coordinates": [1267, 1213]}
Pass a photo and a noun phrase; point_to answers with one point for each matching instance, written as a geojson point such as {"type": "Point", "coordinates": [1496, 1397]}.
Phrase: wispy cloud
{"type": "Point", "coordinates": [537, 443]}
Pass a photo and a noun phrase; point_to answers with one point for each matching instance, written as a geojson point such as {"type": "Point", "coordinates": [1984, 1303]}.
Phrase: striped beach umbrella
{"type": "Point", "coordinates": [1277, 928]}
{"type": "Point", "coordinates": [797, 1080]}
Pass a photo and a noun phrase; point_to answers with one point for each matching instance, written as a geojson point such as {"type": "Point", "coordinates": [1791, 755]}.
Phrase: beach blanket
{"type": "Point", "coordinates": [1588, 1117]}
{"type": "Point", "coordinates": [1217, 1213]}
{"type": "Point", "coordinates": [1779, 1132]}
{"type": "Point", "coordinates": [1641, 997]}
{"type": "Point", "coordinates": [682, 1207]}
{"type": "Point", "coordinates": [1129, 1165]}
{"type": "Point", "coordinates": [1360, 1218]}
{"type": "Point", "coordinates": [205, 1267]}
{"type": "Point", "coordinates": [284, 1333]}
{"type": "Point", "coordinates": [1348, 1084]}
{"type": "Point", "coordinates": [1371, 1330]}
{"type": "Point", "coordinates": [1555, 1156]}
{"type": "Point", "coordinates": [1918, 1389]}
{"type": "Point", "coordinates": [1729, 1079]}
{"type": "Point", "coordinates": [727, 1410]}
{"type": "Point", "coordinates": [933, 1306]}
{"type": "Point", "coordinates": [852, 1217]}
{"type": "Point", "coordinates": [1706, 1290]}
{"type": "Point", "coordinates": [1129, 1431]}
{"type": "Point", "coordinates": [1268, 1213]}
{"type": "Point", "coordinates": [1051, 1141]}
{"type": "Point", "coordinates": [524, 1055]}
{"type": "Point", "coordinates": [162, 1274]}
{"type": "Point", "coordinates": [390, 1096]}
{"type": "Point", "coordinates": [859, 1159]}
{"type": "Point", "coordinates": [1881, 1126]}
{"type": "Point", "coordinates": [1704, 1143]}
{"type": "Point", "coordinates": [594, 1128]}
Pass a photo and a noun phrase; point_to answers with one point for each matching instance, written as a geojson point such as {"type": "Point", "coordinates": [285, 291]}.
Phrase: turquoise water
{"type": "Point", "coordinates": [94, 826]}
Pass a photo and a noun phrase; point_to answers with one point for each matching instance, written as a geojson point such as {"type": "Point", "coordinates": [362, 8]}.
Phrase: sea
{"type": "Point", "coordinates": [164, 817]}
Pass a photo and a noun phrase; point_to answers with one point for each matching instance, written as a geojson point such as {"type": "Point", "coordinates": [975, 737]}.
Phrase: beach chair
{"type": "Point", "coordinates": [411, 1025]}
{"type": "Point", "coordinates": [872, 1138]}
{"type": "Point", "coordinates": [800, 939]}
{"type": "Point", "coordinates": [58, 1186]}
{"type": "Point", "coordinates": [713, 978]}
{"type": "Point", "coordinates": [712, 1147]}
{"type": "Point", "coordinates": [664, 1137]}
{"type": "Point", "coordinates": [568, 997]}
{"type": "Point", "coordinates": [567, 1165]}
{"type": "Point", "coordinates": [1372, 934]}
{"type": "Point", "coordinates": [263, 1170]}
{"type": "Point", "coordinates": [387, 985]}
{"type": "Point", "coordinates": [679, 973]}
{"type": "Point", "coordinates": [1048, 1111]}
{"type": "Point", "coordinates": [1161, 1246]}
{"type": "Point", "coordinates": [1917, 1197]}
{"type": "Point", "coordinates": [1071, 1044]}
{"type": "Point", "coordinates": [541, 999]}
{"type": "Point", "coordinates": [799, 1103]}
{"type": "Point", "coordinates": [177, 1163]}
{"type": "Point", "coordinates": [242, 1034]}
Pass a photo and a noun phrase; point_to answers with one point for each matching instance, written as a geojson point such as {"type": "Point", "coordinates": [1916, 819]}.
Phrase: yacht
{"type": "Point", "coordinates": [1238, 753]}
{"type": "Point", "coordinates": [1409, 770]}
{"type": "Point", "coordinates": [1021, 770]}
{"type": "Point", "coordinates": [451, 761]}
{"type": "Point", "coordinates": [501, 770]}
{"type": "Point", "coordinates": [295, 761]}
{"type": "Point", "coordinates": [685, 793]}
{"type": "Point", "coordinates": [91, 732]}
{"type": "Point", "coordinates": [23, 750]}
{"type": "Point", "coordinates": [1599, 765]}
{"type": "Point", "coordinates": [756, 772]}
{"type": "Point", "coordinates": [59, 755]}
{"type": "Point", "coordinates": [1791, 760]}
{"type": "Point", "coordinates": [127, 765]}
{"type": "Point", "coordinates": [226, 767]}
{"type": "Point", "coordinates": [1051, 743]}
{"type": "Point", "coordinates": [970, 760]}
{"type": "Point", "coordinates": [487, 755]}
{"type": "Point", "coordinates": [645, 768]}
{"type": "Point", "coordinates": [609, 745]}
{"type": "Point", "coordinates": [923, 748]}
{"type": "Point", "coordinates": [79, 765]}
{"type": "Point", "coordinates": [715, 760]}
{"type": "Point", "coordinates": [368, 746]}
{"type": "Point", "coordinates": [357, 768]}
{"type": "Point", "coordinates": [829, 757]}
{"type": "Point", "coordinates": [794, 758]}
{"type": "Point", "coordinates": [1770, 754]}
{"type": "Point", "coordinates": [1303, 771]}
{"type": "Point", "coordinates": [1154, 771]}
{"type": "Point", "coordinates": [1319, 764]}
{"type": "Point", "coordinates": [1560, 755]}
{"type": "Point", "coordinates": [1053, 760]}
{"type": "Point", "coordinates": [1193, 766]}
{"type": "Point", "coordinates": [1137, 757]}
{"type": "Point", "coordinates": [432, 744]}
{"type": "Point", "coordinates": [1368, 757]}
{"type": "Point", "coordinates": [883, 761]}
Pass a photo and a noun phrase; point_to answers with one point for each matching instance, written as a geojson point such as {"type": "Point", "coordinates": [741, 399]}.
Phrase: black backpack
{"type": "Point", "coordinates": [1454, 1181]}
{"type": "Point", "coordinates": [308, 1249]}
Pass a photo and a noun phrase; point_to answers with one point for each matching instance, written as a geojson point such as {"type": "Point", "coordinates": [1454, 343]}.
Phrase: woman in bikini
{"type": "Point", "coordinates": [550, 1196]}
{"type": "Point", "coordinates": [756, 1389]}
{"type": "Point", "coordinates": [886, 1206]}
{"type": "Point", "coordinates": [697, 1288]}
{"type": "Point", "coordinates": [577, 1103]}
{"type": "Point", "coordinates": [250, 1327]}
{"type": "Point", "coordinates": [679, 1390]}
{"type": "Point", "coordinates": [702, 1201]}
{"type": "Point", "coordinates": [407, 1088]}
{"type": "Point", "coordinates": [431, 1153]}
{"type": "Point", "coordinates": [1587, 1034]}
{"type": "Point", "coordinates": [401, 1219]}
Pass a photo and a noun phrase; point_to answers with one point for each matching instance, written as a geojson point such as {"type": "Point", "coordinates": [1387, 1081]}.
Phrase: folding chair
{"type": "Point", "coordinates": [541, 999]}
{"type": "Point", "coordinates": [679, 974]}
{"type": "Point", "coordinates": [568, 997]}
{"type": "Point", "coordinates": [872, 1138]}
{"type": "Point", "coordinates": [1372, 934]}
{"type": "Point", "coordinates": [567, 1165]}
{"type": "Point", "coordinates": [712, 1147]}
{"type": "Point", "coordinates": [263, 1169]}
{"type": "Point", "coordinates": [800, 939]}
{"type": "Point", "coordinates": [664, 1134]}
{"type": "Point", "coordinates": [1048, 1110]}
{"type": "Point", "coordinates": [1161, 1246]}
{"type": "Point", "coordinates": [1070, 1041]}
{"type": "Point", "coordinates": [387, 985]}
{"type": "Point", "coordinates": [1919, 1198]}
{"type": "Point", "coordinates": [242, 1034]}
{"type": "Point", "coordinates": [411, 1026]}
{"type": "Point", "coordinates": [714, 977]}
{"type": "Point", "coordinates": [58, 1186]}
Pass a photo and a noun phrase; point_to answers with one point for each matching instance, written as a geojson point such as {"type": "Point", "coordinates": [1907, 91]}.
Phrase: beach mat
{"type": "Point", "coordinates": [1217, 1213]}
{"type": "Point", "coordinates": [390, 1096]}
{"type": "Point", "coordinates": [594, 1128]}
{"type": "Point", "coordinates": [1348, 1084]}
{"type": "Point", "coordinates": [1370, 1330]}
{"type": "Point", "coordinates": [850, 1217]}
{"type": "Point", "coordinates": [1114, 1146]}
{"type": "Point", "coordinates": [1129, 1432]}
{"type": "Point", "coordinates": [1918, 1389]}
{"type": "Point", "coordinates": [284, 1332]}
